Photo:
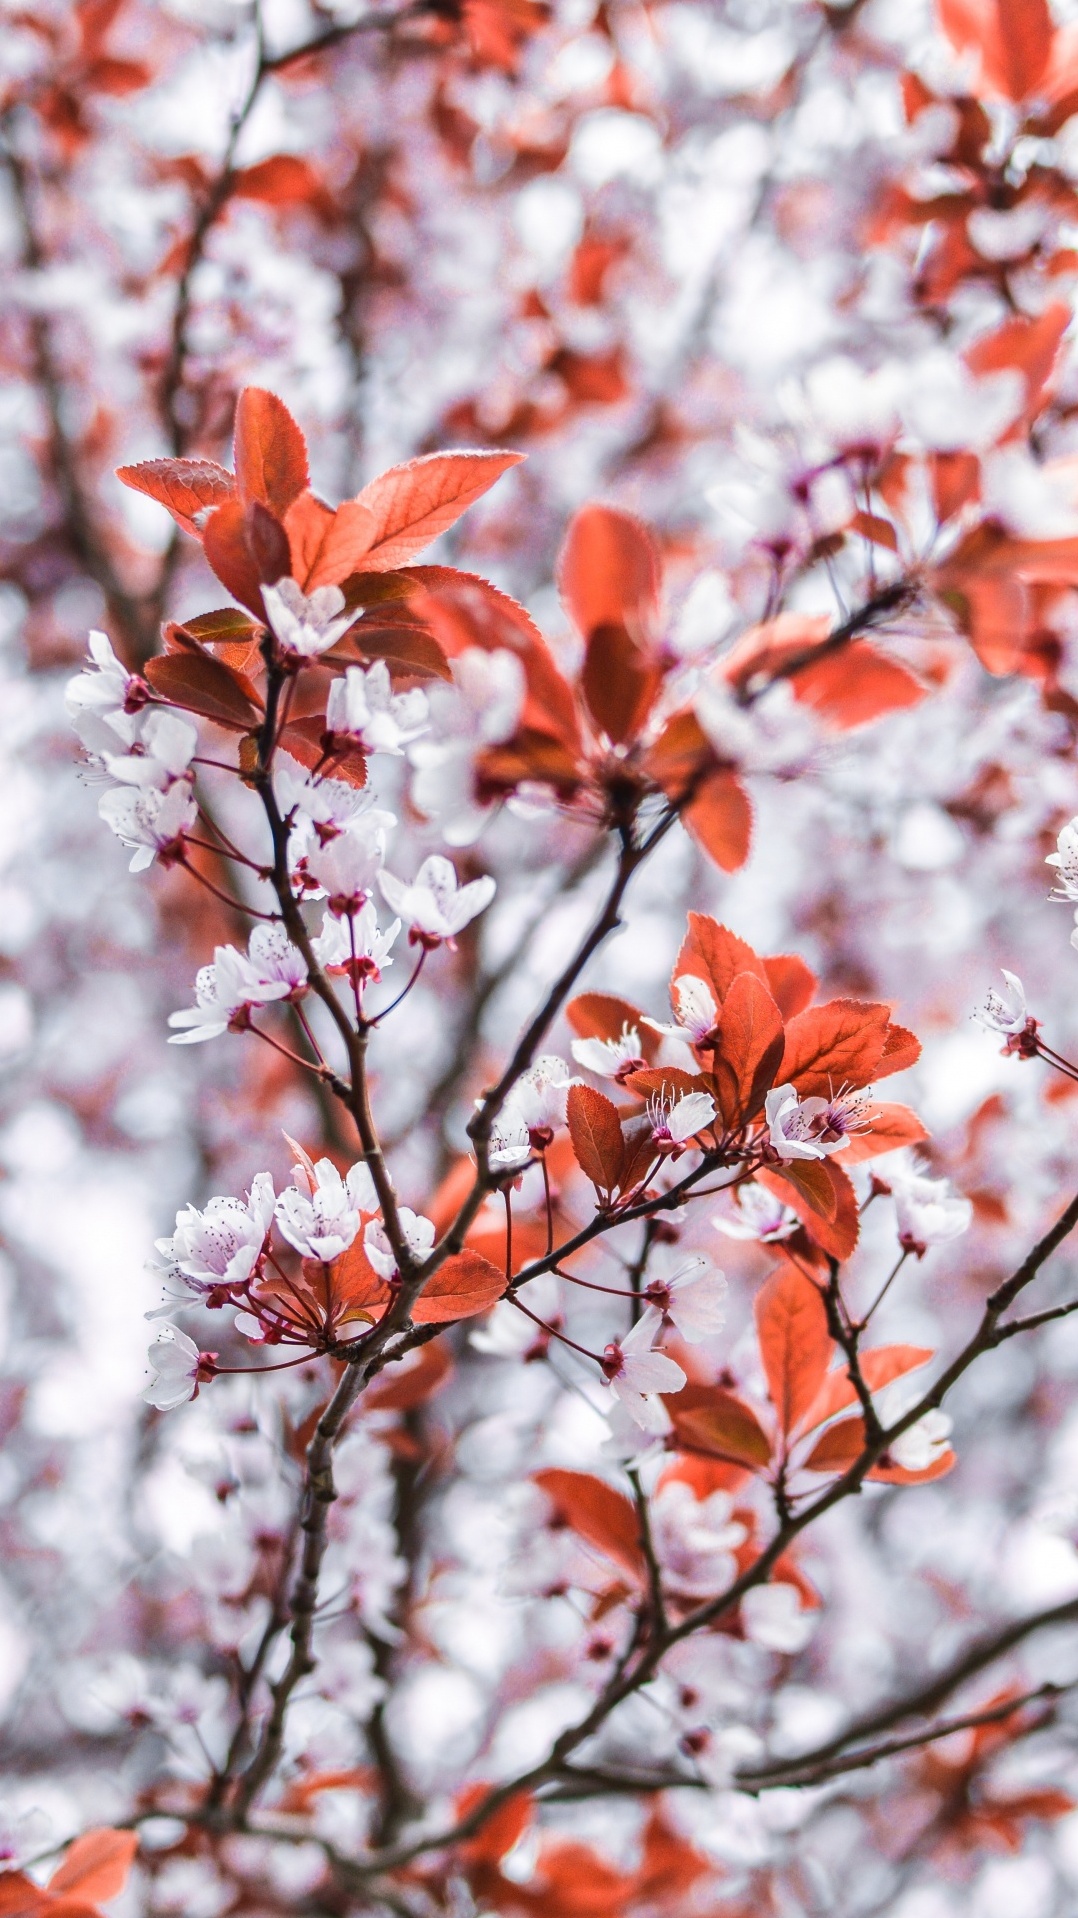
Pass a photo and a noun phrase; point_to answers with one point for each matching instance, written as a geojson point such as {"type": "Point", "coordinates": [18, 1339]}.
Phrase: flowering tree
{"type": "Point", "coordinates": [659, 1496]}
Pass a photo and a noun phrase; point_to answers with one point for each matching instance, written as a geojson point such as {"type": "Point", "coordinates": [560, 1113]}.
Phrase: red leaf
{"type": "Point", "coordinates": [943, 1463]}
{"type": "Point", "coordinates": [771, 648]}
{"type": "Point", "coordinates": [823, 1198]}
{"type": "Point", "coordinates": [224, 542]}
{"type": "Point", "coordinates": [720, 820]}
{"type": "Point", "coordinates": [900, 1049]}
{"type": "Point", "coordinates": [334, 545]}
{"type": "Point", "coordinates": [750, 1048]}
{"type": "Point", "coordinates": [716, 955]}
{"type": "Point", "coordinates": [20, 1897]}
{"type": "Point", "coordinates": [596, 1513]}
{"type": "Point", "coordinates": [835, 1045]}
{"type": "Point", "coordinates": [96, 1865]}
{"type": "Point", "coordinates": [270, 451]}
{"type": "Point", "coordinates": [465, 1285]}
{"type": "Point", "coordinates": [711, 1420]}
{"type": "Point", "coordinates": [1012, 37]}
{"type": "Point", "coordinates": [618, 682]}
{"type": "Point", "coordinates": [464, 610]}
{"type": "Point", "coordinates": [284, 179]}
{"type": "Point", "coordinates": [851, 687]}
{"type": "Point", "coordinates": [400, 1388]}
{"type": "Point", "coordinates": [609, 572]}
{"type": "Point", "coordinates": [184, 487]}
{"type": "Point", "coordinates": [878, 1368]}
{"type": "Point", "coordinates": [838, 1448]}
{"type": "Point", "coordinates": [205, 685]}
{"type": "Point", "coordinates": [595, 1130]}
{"type": "Point", "coordinates": [889, 1126]}
{"type": "Point", "coordinates": [795, 1345]}
{"type": "Point", "coordinates": [665, 1082]}
{"type": "Point", "coordinates": [410, 505]}
{"type": "Point", "coordinates": [355, 1286]}
{"type": "Point", "coordinates": [792, 983]}
{"type": "Point", "coordinates": [267, 543]}
{"type": "Point", "coordinates": [500, 1832]}
{"type": "Point", "coordinates": [305, 740]}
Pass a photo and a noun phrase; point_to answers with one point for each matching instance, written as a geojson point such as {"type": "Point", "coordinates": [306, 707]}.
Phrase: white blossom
{"type": "Point", "coordinates": [927, 1211]}
{"type": "Point", "coordinates": [692, 1300]}
{"type": "Point", "coordinates": [810, 1128]}
{"type": "Point", "coordinates": [319, 806]}
{"type": "Point", "coordinates": [346, 866]}
{"type": "Point", "coordinates": [1006, 1014]}
{"type": "Point", "coordinates": [162, 751]}
{"type": "Point", "coordinates": [363, 705]}
{"type": "Point", "coordinates": [100, 702]}
{"type": "Point", "coordinates": [695, 1011]}
{"type": "Point", "coordinates": [153, 822]}
{"type": "Point", "coordinates": [695, 1539]}
{"type": "Point", "coordinates": [922, 1443]}
{"type": "Point", "coordinates": [434, 906]}
{"type": "Point", "coordinates": [482, 708]}
{"type": "Point", "coordinates": [772, 1616]}
{"type": "Point", "coordinates": [272, 968]}
{"type": "Point", "coordinates": [321, 1218]}
{"type": "Point", "coordinates": [533, 1111]}
{"type": "Point", "coordinates": [611, 1058]}
{"type": "Point", "coordinates": [220, 1245]}
{"type": "Point", "coordinates": [636, 1375]}
{"type": "Point", "coordinates": [176, 1361]}
{"type": "Point", "coordinates": [418, 1235]}
{"type": "Point", "coordinates": [752, 1212]}
{"type": "Point", "coordinates": [307, 625]}
{"type": "Point", "coordinates": [675, 1122]}
{"type": "Point", "coordinates": [1065, 861]}
{"type": "Point", "coordinates": [353, 945]}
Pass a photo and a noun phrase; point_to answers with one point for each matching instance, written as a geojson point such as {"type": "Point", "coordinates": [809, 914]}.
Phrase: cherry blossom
{"type": "Point", "coordinates": [321, 1216]}
{"type": "Point", "coordinates": [773, 1617]}
{"type": "Point", "coordinates": [927, 1211]}
{"type": "Point", "coordinates": [1005, 1014]}
{"type": "Point", "coordinates": [161, 751]}
{"type": "Point", "coordinates": [362, 705]}
{"type": "Point", "coordinates": [221, 1245]}
{"type": "Point", "coordinates": [533, 1111]}
{"type": "Point", "coordinates": [695, 1009]}
{"type": "Point", "coordinates": [676, 1122]}
{"type": "Point", "coordinates": [611, 1058]}
{"type": "Point", "coordinates": [482, 708]}
{"type": "Point", "coordinates": [346, 866]}
{"type": "Point", "coordinates": [180, 1369]}
{"type": "Point", "coordinates": [434, 907]}
{"type": "Point", "coordinates": [810, 1128]}
{"type": "Point", "coordinates": [272, 969]}
{"type": "Point", "coordinates": [320, 808]}
{"type": "Point", "coordinates": [354, 946]}
{"type": "Point", "coordinates": [752, 1212]}
{"type": "Point", "coordinates": [921, 1444]}
{"type": "Point", "coordinates": [306, 625]}
{"type": "Point", "coordinates": [153, 822]}
{"type": "Point", "coordinates": [692, 1300]}
{"type": "Point", "coordinates": [1065, 861]}
{"type": "Point", "coordinates": [103, 703]}
{"type": "Point", "coordinates": [418, 1234]}
{"type": "Point", "coordinates": [636, 1375]}
{"type": "Point", "coordinates": [695, 1539]}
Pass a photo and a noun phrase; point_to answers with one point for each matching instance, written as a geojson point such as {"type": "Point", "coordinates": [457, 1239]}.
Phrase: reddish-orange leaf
{"type": "Point", "coordinates": [878, 1368]}
{"type": "Point", "coordinates": [888, 1126]}
{"type": "Point", "coordinates": [720, 820]}
{"type": "Point", "coordinates": [1029, 346]}
{"type": "Point", "coordinates": [305, 739]}
{"type": "Point", "coordinates": [715, 1422]}
{"type": "Point", "coordinates": [795, 1345]}
{"type": "Point", "coordinates": [850, 687]}
{"type": "Point", "coordinates": [342, 548]}
{"type": "Point", "coordinates": [21, 1898]}
{"type": "Point", "coordinates": [270, 451]}
{"type": "Point", "coordinates": [716, 955]}
{"type": "Point", "coordinates": [465, 1285]}
{"type": "Point", "coordinates": [96, 1865]}
{"type": "Point", "coordinates": [838, 1448]}
{"type": "Point", "coordinates": [597, 1513]}
{"type": "Point", "coordinates": [823, 1198]}
{"type": "Point", "coordinates": [595, 1130]}
{"type": "Point", "coordinates": [665, 1082]}
{"type": "Point", "coordinates": [750, 1048]}
{"type": "Point", "coordinates": [355, 1285]}
{"type": "Point", "coordinates": [464, 610]}
{"type": "Point", "coordinates": [791, 981]}
{"type": "Point", "coordinates": [410, 505]}
{"type": "Point", "coordinates": [400, 1388]}
{"type": "Point", "coordinates": [609, 571]}
{"type": "Point", "coordinates": [202, 684]}
{"type": "Point", "coordinates": [500, 1832]}
{"type": "Point", "coordinates": [1023, 46]}
{"type": "Point", "coordinates": [835, 1045]}
{"type": "Point", "coordinates": [224, 542]}
{"type": "Point", "coordinates": [185, 487]}
{"type": "Point", "coordinates": [900, 1049]}
{"type": "Point", "coordinates": [284, 179]}
{"type": "Point", "coordinates": [771, 648]}
{"type": "Point", "coordinates": [619, 683]}
{"type": "Point", "coordinates": [943, 1463]}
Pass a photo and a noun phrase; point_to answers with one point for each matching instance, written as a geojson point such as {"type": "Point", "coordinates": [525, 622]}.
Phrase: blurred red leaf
{"type": "Point", "coordinates": [609, 572]}
{"type": "Point", "coordinates": [597, 1513]}
{"type": "Point", "coordinates": [720, 820]}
